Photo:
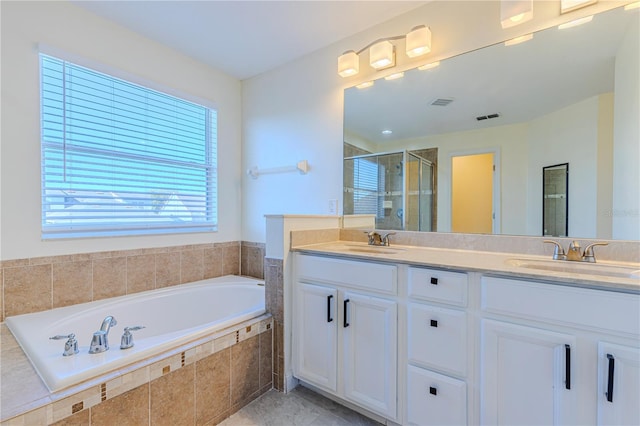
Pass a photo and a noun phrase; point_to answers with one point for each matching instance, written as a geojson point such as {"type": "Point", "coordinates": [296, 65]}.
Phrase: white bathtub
{"type": "Point", "coordinates": [172, 316]}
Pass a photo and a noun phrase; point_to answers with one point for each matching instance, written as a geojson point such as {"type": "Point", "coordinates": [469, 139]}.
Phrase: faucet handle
{"type": "Point", "coordinates": [558, 251]}
{"type": "Point", "coordinates": [374, 238]}
{"type": "Point", "coordinates": [126, 341]}
{"type": "Point", "coordinates": [385, 238]}
{"type": "Point", "coordinates": [589, 255]}
{"type": "Point", "coordinates": [70, 346]}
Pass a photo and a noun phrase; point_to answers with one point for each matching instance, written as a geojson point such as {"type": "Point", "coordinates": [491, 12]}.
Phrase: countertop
{"type": "Point", "coordinates": [612, 276]}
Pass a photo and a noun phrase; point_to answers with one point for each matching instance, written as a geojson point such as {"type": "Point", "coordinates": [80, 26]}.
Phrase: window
{"type": "Point", "coordinates": [122, 159]}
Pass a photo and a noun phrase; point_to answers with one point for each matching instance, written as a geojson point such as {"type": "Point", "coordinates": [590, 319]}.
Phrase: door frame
{"type": "Point", "coordinates": [495, 220]}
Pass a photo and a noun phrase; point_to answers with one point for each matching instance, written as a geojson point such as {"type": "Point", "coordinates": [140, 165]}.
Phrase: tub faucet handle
{"type": "Point", "coordinates": [126, 341]}
{"type": "Point", "coordinates": [70, 346]}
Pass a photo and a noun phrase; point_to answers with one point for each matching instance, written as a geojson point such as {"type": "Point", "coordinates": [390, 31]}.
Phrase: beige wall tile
{"type": "Point", "coordinates": [129, 409]}
{"type": "Point", "coordinates": [245, 369]}
{"type": "Point", "coordinates": [173, 398]}
{"type": "Point", "coordinates": [27, 289]}
{"type": "Point", "coordinates": [191, 265]}
{"type": "Point", "coordinates": [1, 296]}
{"type": "Point", "coordinates": [141, 273]}
{"type": "Point", "coordinates": [167, 269]}
{"type": "Point", "coordinates": [231, 259]}
{"type": "Point", "coordinates": [252, 260]}
{"type": "Point", "coordinates": [109, 277]}
{"type": "Point", "coordinates": [213, 386]}
{"type": "Point", "coordinates": [72, 283]}
{"type": "Point", "coordinates": [266, 358]}
{"type": "Point", "coordinates": [81, 418]}
{"type": "Point", "coordinates": [213, 262]}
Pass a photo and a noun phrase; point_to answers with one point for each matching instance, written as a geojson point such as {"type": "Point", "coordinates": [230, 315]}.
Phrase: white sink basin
{"type": "Point", "coordinates": [599, 269]}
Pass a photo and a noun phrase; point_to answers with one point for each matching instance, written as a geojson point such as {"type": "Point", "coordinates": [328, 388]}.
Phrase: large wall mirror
{"type": "Point", "coordinates": [546, 101]}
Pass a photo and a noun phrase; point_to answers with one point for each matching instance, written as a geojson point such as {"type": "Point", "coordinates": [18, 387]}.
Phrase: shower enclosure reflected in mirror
{"type": "Point", "coordinates": [397, 187]}
{"type": "Point", "coordinates": [555, 200]}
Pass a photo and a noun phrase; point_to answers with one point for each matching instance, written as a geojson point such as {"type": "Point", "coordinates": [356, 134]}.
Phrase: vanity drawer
{"type": "Point", "coordinates": [598, 310]}
{"type": "Point", "coordinates": [364, 275]}
{"type": "Point", "coordinates": [438, 286]}
{"type": "Point", "coordinates": [438, 338]}
{"type": "Point", "coordinates": [434, 399]}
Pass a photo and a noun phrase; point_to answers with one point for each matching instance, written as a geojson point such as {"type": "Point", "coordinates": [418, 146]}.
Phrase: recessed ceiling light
{"type": "Point", "coordinates": [387, 132]}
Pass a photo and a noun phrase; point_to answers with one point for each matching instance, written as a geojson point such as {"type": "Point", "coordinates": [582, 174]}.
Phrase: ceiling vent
{"type": "Point", "coordinates": [441, 102]}
{"type": "Point", "coordinates": [487, 117]}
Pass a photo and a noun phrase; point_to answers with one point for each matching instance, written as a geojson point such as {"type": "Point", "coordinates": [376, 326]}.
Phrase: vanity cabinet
{"type": "Point", "coordinates": [437, 342]}
{"type": "Point", "coordinates": [345, 330]}
{"type": "Point", "coordinates": [544, 356]}
{"type": "Point", "coordinates": [618, 384]}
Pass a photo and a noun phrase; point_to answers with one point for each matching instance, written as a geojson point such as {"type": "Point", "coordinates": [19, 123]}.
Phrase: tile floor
{"type": "Point", "coordinates": [300, 407]}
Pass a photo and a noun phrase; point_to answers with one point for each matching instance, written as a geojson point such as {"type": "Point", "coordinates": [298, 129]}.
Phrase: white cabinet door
{"type": "Point", "coordinates": [369, 335]}
{"type": "Point", "coordinates": [526, 376]}
{"type": "Point", "coordinates": [316, 335]}
{"type": "Point", "coordinates": [434, 399]}
{"type": "Point", "coordinates": [618, 385]}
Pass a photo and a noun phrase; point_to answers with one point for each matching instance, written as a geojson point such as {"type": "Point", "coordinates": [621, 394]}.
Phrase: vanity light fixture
{"type": "Point", "coordinates": [382, 52]}
{"type": "Point", "coordinates": [418, 41]}
{"type": "Point", "coordinates": [348, 64]}
{"type": "Point", "coordinates": [394, 76]}
{"type": "Point", "coordinates": [515, 12]}
{"type": "Point", "coordinates": [575, 23]}
{"type": "Point", "coordinates": [518, 40]}
{"type": "Point", "coordinates": [632, 6]}
{"type": "Point", "coordinates": [570, 5]}
{"type": "Point", "coordinates": [429, 66]}
{"type": "Point", "coordinates": [365, 85]}
{"type": "Point", "coordinates": [382, 55]}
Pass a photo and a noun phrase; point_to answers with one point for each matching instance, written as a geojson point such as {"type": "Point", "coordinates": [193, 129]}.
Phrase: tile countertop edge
{"type": "Point", "coordinates": [490, 263]}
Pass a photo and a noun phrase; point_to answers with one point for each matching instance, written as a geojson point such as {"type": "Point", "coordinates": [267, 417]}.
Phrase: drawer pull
{"type": "Point", "coordinates": [567, 366]}
{"type": "Point", "coordinates": [329, 317]}
{"type": "Point", "coordinates": [345, 309]}
{"type": "Point", "coordinates": [610, 379]}
{"type": "Point", "coordinates": [434, 281]}
{"type": "Point", "coordinates": [434, 323]}
{"type": "Point", "coordinates": [433, 391]}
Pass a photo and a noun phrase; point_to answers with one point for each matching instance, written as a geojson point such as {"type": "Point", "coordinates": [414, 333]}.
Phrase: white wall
{"type": "Point", "coordinates": [67, 27]}
{"type": "Point", "coordinates": [296, 111]}
{"type": "Point", "coordinates": [626, 142]}
{"type": "Point", "coordinates": [569, 135]}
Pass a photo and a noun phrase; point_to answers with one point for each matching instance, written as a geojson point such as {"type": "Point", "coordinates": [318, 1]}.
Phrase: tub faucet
{"type": "Point", "coordinates": [100, 340]}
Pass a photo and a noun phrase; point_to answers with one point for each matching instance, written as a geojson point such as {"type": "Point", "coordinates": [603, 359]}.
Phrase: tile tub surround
{"type": "Point", "coordinates": [202, 382]}
{"type": "Point", "coordinates": [37, 284]}
{"type": "Point", "coordinates": [274, 304]}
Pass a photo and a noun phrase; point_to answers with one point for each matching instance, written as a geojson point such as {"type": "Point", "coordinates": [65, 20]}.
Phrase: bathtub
{"type": "Point", "coordinates": [171, 316]}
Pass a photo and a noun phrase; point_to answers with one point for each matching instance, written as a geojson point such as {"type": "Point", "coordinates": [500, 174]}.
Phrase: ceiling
{"type": "Point", "coordinates": [555, 69]}
{"type": "Point", "coordinates": [247, 38]}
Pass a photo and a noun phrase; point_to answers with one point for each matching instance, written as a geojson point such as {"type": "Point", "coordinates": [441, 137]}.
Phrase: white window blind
{"type": "Point", "coordinates": [366, 184]}
{"type": "Point", "coordinates": [122, 159]}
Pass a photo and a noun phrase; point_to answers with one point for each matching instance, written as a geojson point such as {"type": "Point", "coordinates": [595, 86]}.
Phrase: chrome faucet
{"type": "Point", "coordinates": [376, 239]}
{"type": "Point", "coordinates": [574, 252]}
{"type": "Point", "coordinates": [70, 346]}
{"type": "Point", "coordinates": [100, 340]}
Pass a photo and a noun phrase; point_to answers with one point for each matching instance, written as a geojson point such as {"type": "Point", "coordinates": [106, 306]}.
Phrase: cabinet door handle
{"type": "Point", "coordinates": [610, 378]}
{"type": "Point", "coordinates": [434, 323]}
{"type": "Point", "coordinates": [345, 309]}
{"type": "Point", "coordinates": [567, 366]}
{"type": "Point", "coordinates": [329, 318]}
{"type": "Point", "coordinates": [434, 281]}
